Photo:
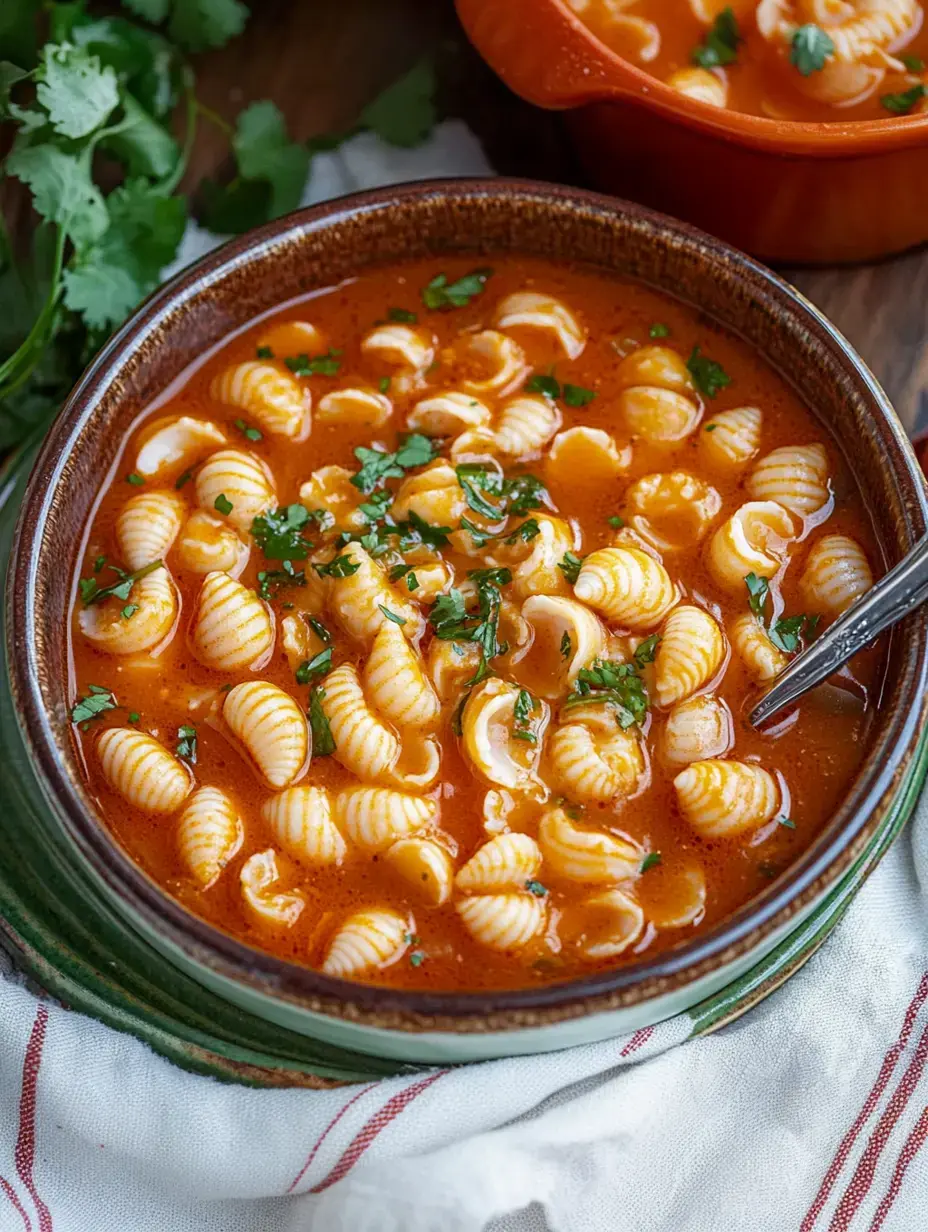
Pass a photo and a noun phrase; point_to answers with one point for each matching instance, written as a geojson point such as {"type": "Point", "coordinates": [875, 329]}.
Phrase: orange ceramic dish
{"type": "Point", "coordinates": [797, 189]}
{"type": "Point", "coordinates": [525, 632]}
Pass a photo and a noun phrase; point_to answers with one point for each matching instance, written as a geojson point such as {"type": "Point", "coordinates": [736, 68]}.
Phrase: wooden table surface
{"type": "Point", "coordinates": [322, 61]}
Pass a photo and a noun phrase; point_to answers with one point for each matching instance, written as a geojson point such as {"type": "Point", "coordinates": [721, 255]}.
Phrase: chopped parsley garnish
{"type": "Point", "coordinates": [92, 592]}
{"type": "Point", "coordinates": [316, 666]}
{"type": "Point", "coordinates": [517, 495]}
{"type": "Point", "coordinates": [433, 536]}
{"type": "Point", "coordinates": [271, 580]}
{"type": "Point", "coordinates": [187, 743]}
{"type": "Point", "coordinates": [647, 650]}
{"type": "Point", "coordinates": [708, 376]}
{"type": "Point", "coordinates": [452, 622]}
{"type": "Point", "coordinates": [659, 330]}
{"type": "Point", "coordinates": [320, 630]}
{"type": "Point", "coordinates": [323, 740]}
{"type": "Point", "coordinates": [136, 480]}
{"type": "Point", "coordinates": [134, 716]}
{"type": "Point", "coordinates": [412, 582]}
{"type": "Point", "coordinates": [616, 522]}
{"type": "Point", "coordinates": [651, 860]}
{"type": "Point", "coordinates": [397, 620]}
{"type": "Point", "coordinates": [788, 631]}
{"type": "Point", "coordinates": [416, 958]}
{"type": "Point", "coordinates": [613, 684]}
{"type": "Point", "coordinates": [786, 821]}
{"type": "Point", "coordinates": [264, 352]}
{"type": "Point", "coordinates": [279, 534]}
{"type": "Point", "coordinates": [341, 567]}
{"type": "Point", "coordinates": [566, 645]}
{"type": "Point", "coordinates": [182, 479]}
{"type": "Point", "coordinates": [97, 702]}
{"type": "Point", "coordinates": [711, 427]}
{"type": "Point", "coordinates": [720, 45]}
{"type": "Point", "coordinates": [377, 465]}
{"type": "Point", "coordinates": [522, 713]}
{"type": "Point", "coordinates": [915, 64]}
{"type": "Point", "coordinates": [576, 395]}
{"type": "Point", "coordinates": [129, 611]}
{"type": "Point", "coordinates": [316, 365]}
{"type": "Point", "coordinates": [536, 888]}
{"type": "Point", "coordinates": [223, 505]}
{"type": "Point", "coordinates": [402, 315]}
{"type": "Point", "coordinates": [810, 48]}
{"type": "Point", "coordinates": [99, 563]}
{"type": "Point", "coordinates": [570, 565]}
{"type": "Point", "coordinates": [758, 589]}
{"type": "Point", "coordinates": [540, 383]}
{"type": "Point", "coordinates": [251, 434]}
{"type": "Point", "coordinates": [442, 294]}
{"type": "Point", "coordinates": [902, 103]}
{"type": "Point", "coordinates": [384, 384]}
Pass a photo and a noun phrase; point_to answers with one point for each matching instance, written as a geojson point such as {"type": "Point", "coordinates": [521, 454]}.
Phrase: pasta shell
{"type": "Point", "coordinates": [447, 414]}
{"type": "Point", "coordinates": [566, 635]}
{"type": "Point", "coordinates": [273, 398]}
{"type": "Point", "coordinates": [584, 456]}
{"type": "Point", "coordinates": [504, 922]}
{"type": "Point", "coordinates": [795, 476]}
{"type": "Point", "coordinates": [239, 479]}
{"type": "Point", "coordinates": [487, 724]}
{"type": "Point", "coordinates": [501, 362]}
{"type": "Point", "coordinates": [147, 527]}
{"type": "Point", "coordinates": [299, 641]}
{"type": "Point", "coordinates": [259, 873]}
{"type": "Point", "coordinates": [671, 511]}
{"type": "Point", "coordinates": [433, 494]}
{"type": "Point", "coordinates": [152, 606]}
{"type": "Point", "coordinates": [595, 765]}
{"type": "Point", "coordinates": [697, 729]}
{"type": "Point", "coordinates": [354, 406]}
{"type": "Point", "coordinates": [506, 862]}
{"type": "Point", "coordinates": [330, 489]}
{"type": "Point", "coordinates": [142, 771]}
{"type": "Point", "coordinates": [627, 586]}
{"type": "Point", "coordinates": [450, 665]}
{"type": "Point", "coordinates": [590, 856]}
{"type": "Point", "coordinates": [363, 744]}
{"type": "Point", "coordinates": [721, 799]}
{"type": "Point", "coordinates": [426, 866]}
{"type": "Point", "coordinates": [232, 628]}
{"type": "Point", "coordinates": [375, 817]}
{"type": "Point", "coordinates": [525, 426]}
{"type": "Point", "coordinates": [301, 821]}
{"type": "Point", "coordinates": [613, 921]}
{"type": "Point", "coordinates": [730, 439]}
{"type": "Point", "coordinates": [209, 834]}
{"type": "Point", "coordinates": [367, 941]}
{"type": "Point", "coordinates": [395, 682]}
{"type": "Point", "coordinates": [538, 573]}
{"type": "Point", "coordinates": [753, 540]}
{"type": "Point", "coordinates": [835, 575]}
{"type": "Point", "coordinates": [680, 897]}
{"type": "Point", "coordinates": [287, 339]}
{"type": "Point", "coordinates": [357, 601]}
{"type": "Point", "coordinates": [404, 347]}
{"type": "Point", "coordinates": [272, 729]}
{"type": "Point", "coordinates": [689, 654]}
{"type": "Point", "coordinates": [208, 544]}
{"type": "Point", "coordinates": [533, 310]}
{"type": "Point", "coordinates": [752, 645]}
{"type": "Point", "coordinates": [658, 415]}
{"type": "Point", "coordinates": [656, 367]}
{"type": "Point", "coordinates": [700, 84]}
{"type": "Point", "coordinates": [173, 443]}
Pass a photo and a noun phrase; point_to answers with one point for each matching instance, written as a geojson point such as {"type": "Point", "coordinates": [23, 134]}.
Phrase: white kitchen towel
{"type": "Point", "coordinates": [807, 1115]}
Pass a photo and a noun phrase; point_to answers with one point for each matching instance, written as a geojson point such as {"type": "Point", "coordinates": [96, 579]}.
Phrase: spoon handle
{"type": "Point", "coordinates": [902, 590]}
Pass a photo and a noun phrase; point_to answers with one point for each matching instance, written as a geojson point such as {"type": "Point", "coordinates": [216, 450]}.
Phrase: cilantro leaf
{"type": "Point", "coordinates": [96, 703]}
{"type": "Point", "coordinates": [536, 888]}
{"type": "Point", "coordinates": [317, 365]}
{"type": "Point", "coordinates": [341, 567]}
{"type": "Point", "coordinates": [570, 565]}
{"type": "Point", "coordinates": [647, 650]}
{"type": "Point", "coordinates": [758, 589]}
{"type": "Point", "coordinates": [902, 103]}
{"type": "Point", "coordinates": [200, 24]}
{"type": "Point", "coordinates": [404, 114]}
{"type": "Point", "coordinates": [708, 376]}
{"type": "Point", "coordinates": [323, 740]}
{"type": "Point", "coordinates": [659, 330]}
{"type": "Point", "coordinates": [316, 666]}
{"type": "Point", "coordinates": [75, 90]}
{"type": "Point", "coordinates": [62, 190]}
{"type": "Point", "coordinates": [788, 631]}
{"type": "Point", "coordinates": [440, 294]}
{"type": "Point", "coordinates": [92, 592]}
{"type": "Point", "coordinates": [810, 48]}
{"type": "Point", "coordinates": [720, 45]}
{"type": "Point", "coordinates": [377, 465]}
{"type": "Point", "coordinates": [576, 395]}
{"type": "Point", "coordinates": [187, 743]}
{"type": "Point", "coordinates": [543, 383]}
{"type": "Point", "coordinates": [651, 860]}
{"type": "Point", "coordinates": [915, 64]}
{"type": "Point", "coordinates": [613, 684]}
{"type": "Point", "coordinates": [397, 620]}
{"type": "Point", "coordinates": [279, 535]}
{"type": "Point", "coordinates": [271, 580]}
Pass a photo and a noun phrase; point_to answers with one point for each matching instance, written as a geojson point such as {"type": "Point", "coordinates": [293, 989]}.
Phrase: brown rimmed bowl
{"type": "Point", "coordinates": [67, 849]}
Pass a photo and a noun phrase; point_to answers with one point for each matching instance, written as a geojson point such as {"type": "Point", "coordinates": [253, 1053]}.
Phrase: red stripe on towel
{"type": "Point", "coordinates": [913, 1145]}
{"type": "Point", "coordinates": [15, 1203]}
{"type": "Point", "coordinates": [25, 1142]}
{"type": "Point", "coordinates": [638, 1039]}
{"type": "Point", "coordinates": [862, 1179]}
{"type": "Point", "coordinates": [378, 1122]}
{"type": "Point", "coordinates": [325, 1133]}
{"type": "Point", "coordinates": [890, 1061]}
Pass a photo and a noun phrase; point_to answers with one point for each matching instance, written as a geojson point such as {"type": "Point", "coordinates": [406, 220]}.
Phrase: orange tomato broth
{"type": "Point", "coordinates": [761, 81]}
{"type": "Point", "coordinates": [815, 749]}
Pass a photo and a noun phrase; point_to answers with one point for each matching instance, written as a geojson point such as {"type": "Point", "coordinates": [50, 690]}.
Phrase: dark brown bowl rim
{"type": "Point", "coordinates": [804, 882]}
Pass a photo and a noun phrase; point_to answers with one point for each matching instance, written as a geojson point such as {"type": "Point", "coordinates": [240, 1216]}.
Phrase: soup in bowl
{"type": "Point", "coordinates": [398, 678]}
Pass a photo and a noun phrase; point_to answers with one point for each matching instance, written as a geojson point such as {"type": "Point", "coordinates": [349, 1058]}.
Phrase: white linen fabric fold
{"type": "Point", "coordinates": [808, 1114]}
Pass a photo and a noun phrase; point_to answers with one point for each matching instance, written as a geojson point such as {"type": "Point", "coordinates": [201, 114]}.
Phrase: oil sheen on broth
{"type": "Point", "coordinates": [811, 60]}
{"type": "Point", "coordinates": [414, 631]}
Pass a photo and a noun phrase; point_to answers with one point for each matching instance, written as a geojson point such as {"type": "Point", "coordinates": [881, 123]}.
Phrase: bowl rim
{"type": "Point", "coordinates": [806, 879]}
{"type": "Point", "coordinates": [613, 78]}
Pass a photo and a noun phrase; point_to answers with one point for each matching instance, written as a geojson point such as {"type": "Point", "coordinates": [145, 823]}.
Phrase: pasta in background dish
{"type": "Point", "coordinates": [413, 636]}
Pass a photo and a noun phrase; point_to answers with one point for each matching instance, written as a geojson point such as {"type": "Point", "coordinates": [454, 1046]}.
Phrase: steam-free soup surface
{"type": "Point", "coordinates": [526, 638]}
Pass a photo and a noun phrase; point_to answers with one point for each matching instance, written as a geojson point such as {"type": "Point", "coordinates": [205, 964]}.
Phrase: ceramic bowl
{"type": "Point", "coordinates": [784, 190]}
{"type": "Point", "coordinates": [67, 851]}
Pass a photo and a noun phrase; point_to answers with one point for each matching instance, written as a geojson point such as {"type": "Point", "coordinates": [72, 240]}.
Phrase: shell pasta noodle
{"type": "Point", "coordinates": [413, 635]}
{"type": "Point", "coordinates": [806, 60]}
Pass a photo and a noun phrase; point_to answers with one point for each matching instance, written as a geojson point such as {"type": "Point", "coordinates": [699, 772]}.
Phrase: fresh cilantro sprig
{"type": "Point", "coordinates": [92, 592]}
{"type": "Point", "coordinates": [903, 102]}
{"type": "Point", "coordinates": [709, 377]}
{"type": "Point", "coordinates": [280, 533]}
{"type": "Point", "coordinates": [187, 743]}
{"type": "Point", "coordinates": [517, 494]}
{"type": "Point", "coordinates": [95, 704]}
{"type": "Point", "coordinates": [614, 684]}
{"type": "Point", "coordinates": [323, 740]}
{"type": "Point", "coordinates": [810, 48]}
{"type": "Point", "coordinates": [574, 396]}
{"type": "Point", "coordinates": [451, 620]}
{"type": "Point", "coordinates": [379, 465]}
{"type": "Point", "coordinates": [440, 294]}
{"type": "Point", "coordinates": [788, 632]}
{"type": "Point", "coordinates": [270, 581]}
{"type": "Point", "coordinates": [720, 46]}
{"type": "Point", "coordinates": [318, 665]}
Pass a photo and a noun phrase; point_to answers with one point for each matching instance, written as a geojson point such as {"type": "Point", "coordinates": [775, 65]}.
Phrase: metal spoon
{"type": "Point", "coordinates": [902, 590]}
